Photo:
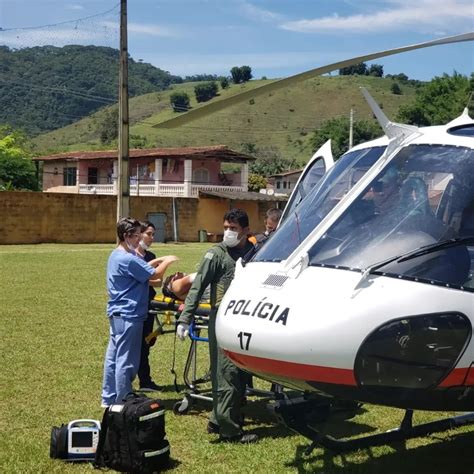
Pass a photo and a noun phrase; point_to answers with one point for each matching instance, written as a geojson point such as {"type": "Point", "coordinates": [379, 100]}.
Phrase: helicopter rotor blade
{"type": "Point", "coordinates": [280, 83]}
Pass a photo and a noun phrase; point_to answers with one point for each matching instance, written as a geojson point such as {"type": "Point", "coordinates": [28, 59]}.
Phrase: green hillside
{"type": "Point", "coordinates": [44, 88]}
{"type": "Point", "coordinates": [278, 122]}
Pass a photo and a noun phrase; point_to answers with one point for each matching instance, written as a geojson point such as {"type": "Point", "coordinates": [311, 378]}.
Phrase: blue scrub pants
{"type": "Point", "coordinates": [122, 358]}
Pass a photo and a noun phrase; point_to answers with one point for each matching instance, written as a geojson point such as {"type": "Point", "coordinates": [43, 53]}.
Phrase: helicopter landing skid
{"type": "Point", "coordinates": [296, 420]}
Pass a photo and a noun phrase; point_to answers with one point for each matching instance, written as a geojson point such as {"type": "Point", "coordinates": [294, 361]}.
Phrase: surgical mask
{"type": "Point", "coordinates": [231, 238]}
{"type": "Point", "coordinates": [131, 244]}
{"type": "Point", "coordinates": [143, 245]}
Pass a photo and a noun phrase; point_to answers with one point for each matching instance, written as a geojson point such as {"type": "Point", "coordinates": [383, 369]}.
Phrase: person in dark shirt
{"type": "Point", "coordinates": [144, 373]}
{"type": "Point", "coordinates": [272, 218]}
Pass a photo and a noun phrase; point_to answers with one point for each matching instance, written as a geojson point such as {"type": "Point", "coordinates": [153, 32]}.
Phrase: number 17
{"type": "Point", "coordinates": [241, 336]}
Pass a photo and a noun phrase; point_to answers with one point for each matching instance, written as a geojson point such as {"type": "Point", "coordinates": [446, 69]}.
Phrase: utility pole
{"type": "Point", "coordinates": [351, 129]}
{"type": "Point", "coordinates": [123, 179]}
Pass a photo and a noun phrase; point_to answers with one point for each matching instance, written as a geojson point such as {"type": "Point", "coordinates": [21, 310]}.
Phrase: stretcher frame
{"type": "Point", "coordinates": [192, 381]}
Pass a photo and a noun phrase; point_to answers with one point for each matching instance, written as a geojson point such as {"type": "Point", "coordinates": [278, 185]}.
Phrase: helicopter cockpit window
{"type": "Point", "coordinates": [414, 220]}
{"type": "Point", "coordinates": [313, 176]}
{"type": "Point", "coordinates": [462, 130]}
{"type": "Point", "coordinates": [318, 202]}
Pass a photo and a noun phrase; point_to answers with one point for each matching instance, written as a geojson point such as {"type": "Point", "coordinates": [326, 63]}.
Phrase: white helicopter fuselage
{"type": "Point", "coordinates": [325, 318]}
{"type": "Point", "coordinates": [306, 332]}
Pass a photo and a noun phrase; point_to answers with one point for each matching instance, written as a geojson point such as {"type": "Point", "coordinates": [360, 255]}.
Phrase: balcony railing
{"type": "Point", "coordinates": [158, 189]}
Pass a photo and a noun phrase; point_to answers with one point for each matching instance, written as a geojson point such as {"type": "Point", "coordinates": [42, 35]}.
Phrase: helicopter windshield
{"type": "Point", "coordinates": [318, 202]}
{"type": "Point", "coordinates": [425, 195]}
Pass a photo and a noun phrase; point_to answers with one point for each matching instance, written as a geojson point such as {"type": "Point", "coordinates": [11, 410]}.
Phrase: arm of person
{"type": "Point", "coordinates": [161, 265]}
{"type": "Point", "coordinates": [180, 284]}
{"type": "Point", "coordinates": [156, 262]}
{"type": "Point", "coordinates": [208, 271]}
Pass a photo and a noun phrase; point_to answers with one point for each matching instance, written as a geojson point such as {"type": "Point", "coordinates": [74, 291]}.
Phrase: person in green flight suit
{"type": "Point", "coordinates": [228, 382]}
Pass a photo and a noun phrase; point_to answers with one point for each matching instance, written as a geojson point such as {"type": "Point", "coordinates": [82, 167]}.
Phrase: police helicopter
{"type": "Point", "coordinates": [366, 290]}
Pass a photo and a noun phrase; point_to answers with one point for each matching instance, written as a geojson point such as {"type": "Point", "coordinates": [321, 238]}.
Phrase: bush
{"type": "Point", "coordinates": [257, 182]}
{"type": "Point", "coordinates": [396, 89]}
{"type": "Point", "coordinates": [179, 101]}
{"type": "Point", "coordinates": [17, 171]}
{"type": "Point", "coordinates": [205, 91]}
{"type": "Point", "coordinates": [224, 82]}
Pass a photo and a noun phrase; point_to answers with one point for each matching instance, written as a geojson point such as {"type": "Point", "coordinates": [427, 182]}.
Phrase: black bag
{"type": "Point", "coordinates": [58, 444]}
{"type": "Point", "coordinates": [133, 438]}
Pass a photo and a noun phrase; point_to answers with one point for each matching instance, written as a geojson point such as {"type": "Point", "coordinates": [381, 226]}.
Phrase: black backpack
{"type": "Point", "coordinates": [132, 437]}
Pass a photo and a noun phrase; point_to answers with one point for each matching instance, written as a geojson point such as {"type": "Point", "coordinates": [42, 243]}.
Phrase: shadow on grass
{"type": "Point", "coordinates": [173, 464]}
{"type": "Point", "coordinates": [450, 455]}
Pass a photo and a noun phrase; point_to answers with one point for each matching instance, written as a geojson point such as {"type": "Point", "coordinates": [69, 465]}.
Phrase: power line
{"type": "Point", "coordinates": [62, 22]}
{"type": "Point", "coordinates": [79, 94]}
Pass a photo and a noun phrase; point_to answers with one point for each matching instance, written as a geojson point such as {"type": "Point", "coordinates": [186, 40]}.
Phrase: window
{"type": "Point", "coordinates": [92, 175]}
{"type": "Point", "coordinates": [408, 217]}
{"type": "Point", "coordinates": [69, 176]}
{"type": "Point", "coordinates": [201, 176]}
{"type": "Point", "coordinates": [319, 201]}
{"type": "Point", "coordinates": [284, 184]}
{"type": "Point", "coordinates": [278, 184]}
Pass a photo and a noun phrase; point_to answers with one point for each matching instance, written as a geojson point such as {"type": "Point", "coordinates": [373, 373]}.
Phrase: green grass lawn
{"type": "Point", "coordinates": [53, 337]}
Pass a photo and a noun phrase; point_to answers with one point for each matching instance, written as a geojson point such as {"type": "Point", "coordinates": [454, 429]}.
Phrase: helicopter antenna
{"type": "Point", "coordinates": [391, 129]}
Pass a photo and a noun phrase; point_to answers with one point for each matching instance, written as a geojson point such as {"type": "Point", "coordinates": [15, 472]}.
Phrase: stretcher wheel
{"type": "Point", "coordinates": [182, 407]}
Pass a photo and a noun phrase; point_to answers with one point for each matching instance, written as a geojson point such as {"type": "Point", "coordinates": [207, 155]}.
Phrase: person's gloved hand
{"type": "Point", "coordinates": [182, 331]}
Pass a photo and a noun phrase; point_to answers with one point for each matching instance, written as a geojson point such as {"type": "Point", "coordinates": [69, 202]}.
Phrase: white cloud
{"type": "Point", "coordinates": [58, 37]}
{"type": "Point", "coordinates": [455, 15]}
{"type": "Point", "coordinates": [145, 29]}
{"type": "Point", "coordinates": [260, 14]}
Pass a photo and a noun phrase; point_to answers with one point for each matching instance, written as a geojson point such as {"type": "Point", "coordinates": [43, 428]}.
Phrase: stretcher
{"type": "Point", "coordinates": [196, 375]}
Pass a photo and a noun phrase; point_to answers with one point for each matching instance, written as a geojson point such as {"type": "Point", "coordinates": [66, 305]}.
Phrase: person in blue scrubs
{"type": "Point", "coordinates": [128, 279]}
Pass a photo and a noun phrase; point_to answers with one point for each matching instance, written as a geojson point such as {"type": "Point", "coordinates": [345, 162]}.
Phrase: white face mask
{"type": "Point", "coordinates": [231, 238]}
{"type": "Point", "coordinates": [131, 244]}
{"type": "Point", "coordinates": [143, 245]}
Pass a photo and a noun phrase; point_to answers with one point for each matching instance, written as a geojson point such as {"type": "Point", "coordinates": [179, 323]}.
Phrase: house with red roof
{"type": "Point", "coordinates": [178, 172]}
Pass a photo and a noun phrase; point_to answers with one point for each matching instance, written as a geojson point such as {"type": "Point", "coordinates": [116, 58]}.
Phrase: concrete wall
{"type": "Point", "coordinates": [28, 217]}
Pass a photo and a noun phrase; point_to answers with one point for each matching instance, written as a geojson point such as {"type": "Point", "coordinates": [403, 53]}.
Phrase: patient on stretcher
{"type": "Point", "coordinates": [176, 286]}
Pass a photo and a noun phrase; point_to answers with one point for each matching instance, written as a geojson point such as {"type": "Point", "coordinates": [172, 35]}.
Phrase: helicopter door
{"type": "Point", "coordinates": [317, 166]}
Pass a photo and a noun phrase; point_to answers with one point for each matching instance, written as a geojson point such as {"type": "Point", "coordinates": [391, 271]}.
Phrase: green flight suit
{"type": "Point", "coordinates": [228, 382]}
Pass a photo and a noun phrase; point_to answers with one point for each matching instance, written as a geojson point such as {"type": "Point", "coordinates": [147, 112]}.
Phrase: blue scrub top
{"type": "Point", "coordinates": [127, 285]}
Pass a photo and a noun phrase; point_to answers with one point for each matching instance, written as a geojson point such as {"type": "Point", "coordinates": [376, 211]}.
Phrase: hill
{"type": "Point", "coordinates": [277, 123]}
{"type": "Point", "coordinates": [45, 88]}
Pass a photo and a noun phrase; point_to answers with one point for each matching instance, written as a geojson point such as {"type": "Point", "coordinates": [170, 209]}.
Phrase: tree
{"type": "Point", "coordinates": [338, 130]}
{"type": "Point", "coordinates": [395, 88]}
{"type": "Point", "coordinates": [401, 77]}
{"type": "Point", "coordinates": [224, 82]}
{"type": "Point", "coordinates": [236, 74]}
{"type": "Point", "coordinates": [268, 160]}
{"type": "Point", "coordinates": [50, 87]}
{"type": "Point", "coordinates": [375, 70]}
{"type": "Point", "coordinates": [246, 73]}
{"type": "Point", "coordinates": [439, 101]}
{"type": "Point", "coordinates": [138, 141]}
{"type": "Point", "coordinates": [17, 170]}
{"type": "Point", "coordinates": [360, 69]}
{"type": "Point", "coordinates": [205, 91]}
{"type": "Point", "coordinates": [108, 127]}
{"type": "Point", "coordinates": [256, 182]}
{"type": "Point", "coordinates": [179, 101]}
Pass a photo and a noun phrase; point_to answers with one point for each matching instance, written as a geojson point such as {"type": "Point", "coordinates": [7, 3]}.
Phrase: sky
{"type": "Point", "coordinates": [276, 38]}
